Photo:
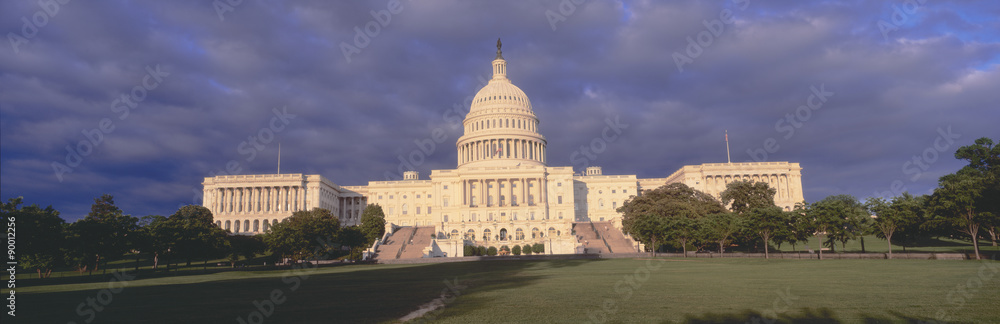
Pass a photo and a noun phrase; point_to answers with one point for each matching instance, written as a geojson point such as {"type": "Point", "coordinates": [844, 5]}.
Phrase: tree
{"type": "Point", "coordinates": [354, 238]}
{"type": "Point", "coordinates": [984, 162]}
{"type": "Point", "coordinates": [304, 235]}
{"type": "Point", "coordinates": [40, 235]}
{"type": "Point", "coordinates": [764, 222]}
{"type": "Point", "coordinates": [491, 251]}
{"type": "Point", "coordinates": [526, 249]}
{"type": "Point", "coordinates": [719, 228]}
{"type": "Point", "coordinates": [838, 218]}
{"type": "Point", "coordinates": [538, 248]}
{"type": "Point", "coordinates": [246, 246]}
{"type": "Point", "coordinates": [954, 204]}
{"type": "Point", "coordinates": [667, 211]}
{"type": "Point", "coordinates": [372, 223]}
{"type": "Point", "coordinates": [516, 250]}
{"type": "Point", "coordinates": [887, 219]}
{"type": "Point", "coordinates": [746, 196]}
{"type": "Point", "coordinates": [103, 234]}
{"type": "Point", "coordinates": [912, 218]}
{"type": "Point", "coordinates": [195, 234]}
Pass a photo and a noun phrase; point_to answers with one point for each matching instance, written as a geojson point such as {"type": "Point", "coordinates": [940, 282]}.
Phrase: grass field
{"type": "Point", "coordinates": [570, 291]}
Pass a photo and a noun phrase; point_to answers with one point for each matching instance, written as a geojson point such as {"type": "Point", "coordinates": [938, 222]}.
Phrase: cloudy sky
{"type": "Point", "coordinates": [143, 99]}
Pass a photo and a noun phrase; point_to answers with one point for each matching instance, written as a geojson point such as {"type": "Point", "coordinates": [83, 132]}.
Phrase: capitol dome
{"type": "Point", "coordinates": [501, 129]}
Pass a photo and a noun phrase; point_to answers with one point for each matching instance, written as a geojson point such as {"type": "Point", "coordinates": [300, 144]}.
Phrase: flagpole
{"type": "Point", "coordinates": [279, 157]}
{"type": "Point", "coordinates": [728, 160]}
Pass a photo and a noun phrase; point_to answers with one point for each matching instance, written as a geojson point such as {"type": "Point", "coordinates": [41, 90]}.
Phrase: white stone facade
{"type": "Point", "coordinates": [501, 193]}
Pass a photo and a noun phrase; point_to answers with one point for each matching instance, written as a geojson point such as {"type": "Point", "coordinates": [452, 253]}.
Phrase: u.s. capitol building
{"type": "Point", "coordinates": [503, 191]}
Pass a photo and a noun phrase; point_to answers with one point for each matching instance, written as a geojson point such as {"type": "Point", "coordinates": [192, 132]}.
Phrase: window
{"type": "Point", "coordinates": [428, 197]}
{"type": "Point", "coordinates": [513, 185]}
{"type": "Point", "coordinates": [624, 190]}
{"type": "Point", "coordinates": [418, 197]}
{"type": "Point", "coordinates": [501, 186]}
{"type": "Point", "coordinates": [445, 218]}
{"type": "Point", "coordinates": [445, 187]}
{"type": "Point", "coordinates": [531, 185]}
{"type": "Point", "coordinates": [486, 234]}
{"type": "Point", "coordinates": [519, 234]}
{"type": "Point", "coordinates": [404, 196]}
{"type": "Point", "coordinates": [444, 202]}
{"type": "Point", "coordinates": [559, 199]}
{"type": "Point", "coordinates": [379, 197]}
{"type": "Point", "coordinates": [612, 191]}
{"type": "Point", "coordinates": [404, 209]}
{"type": "Point", "coordinates": [535, 232]}
{"type": "Point", "coordinates": [418, 210]}
{"type": "Point", "coordinates": [614, 205]}
{"type": "Point", "coordinates": [552, 231]}
{"type": "Point", "coordinates": [453, 234]}
{"type": "Point", "coordinates": [600, 203]}
{"type": "Point", "coordinates": [489, 201]}
{"type": "Point", "coordinates": [489, 186]}
{"type": "Point", "coordinates": [474, 201]}
{"type": "Point", "coordinates": [598, 192]}
{"type": "Point", "coordinates": [515, 216]}
{"type": "Point", "coordinates": [391, 197]}
{"type": "Point", "coordinates": [560, 215]}
{"type": "Point", "coordinates": [428, 209]}
{"type": "Point", "coordinates": [532, 215]}
{"type": "Point", "coordinates": [559, 184]}
{"type": "Point", "coordinates": [472, 218]}
{"type": "Point", "coordinates": [513, 200]}
{"type": "Point", "coordinates": [392, 210]}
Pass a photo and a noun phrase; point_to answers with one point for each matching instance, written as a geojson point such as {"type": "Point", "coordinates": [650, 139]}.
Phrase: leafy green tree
{"type": "Point", "coordinates": [40, 235]}
{"type": "Point", "coordinates": [668, 211]}
{"type": "Point", "coordinates": [480, 250]}
{"type": "Point", "coordinates": [838, 218]}
{"type": "Point", "coordinates": [372, 223]}
{"type": "Point", "coordinates": [764, 222]}
{"type": "Point", "coordinates": [746, 196]}
{"type": "Point", "coordinates": [246, 246]}
{"type": "Point", "coordinates": [954, 204]}
{"type": "Point", "coordinates": [719, 228]}
{"type": "Point", "coordinates": [304, 235]}
{"type": "Point", "coordinates": [886, 220]}
{"type": "Point", "coordinates": [526, 249]}
{"type": "Point", "coordinates": [538, 248]}
{"type": "Point", "coordinates": [516, 250]}
{"type": "Point", "coordinates": [470, 250]}
{"type": "Point", "coordinates": [984, 160]}
{"type": "Point", "coordinates": [195, 234]}
{"type": "Point", "coordinates": [912, 221]}
{"type": "Point", "coordinates": [102, 235]}
{"type": "Point", "coordinates": [802, 225]}
{"type": "Point", "coordinates": [354, 238]}
{"type": "Point", "coordinates": [491, 251]}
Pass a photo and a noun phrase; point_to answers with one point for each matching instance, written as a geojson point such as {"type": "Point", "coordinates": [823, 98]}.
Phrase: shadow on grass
{"type": "Point", "coordinates": [802, 316]}
{"type": "Point", "coordinates": [368, 295]}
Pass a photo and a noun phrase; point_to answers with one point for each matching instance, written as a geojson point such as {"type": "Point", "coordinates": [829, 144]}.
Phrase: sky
{"type": "Point", "coordinates": [144, 99]}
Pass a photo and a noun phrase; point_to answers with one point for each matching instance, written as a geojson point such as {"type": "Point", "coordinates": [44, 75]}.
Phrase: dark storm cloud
{"type": "Point", "coordinates": [894, 90]}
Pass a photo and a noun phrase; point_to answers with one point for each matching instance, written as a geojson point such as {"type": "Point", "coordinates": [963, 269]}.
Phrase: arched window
{"type": "Point", "coordinates": [560, 215]}
{"type": "Point", "coordinates": [404, 209]}
{"type": "Point", "coordinates": [600, 203]}
{"type": "Point", "coordinates": [470, 235]}
{"type": "Point", "coordinates": [274, 221]}
{"type": "Point", "coordinates": [519, 234]}
{"type": "Point", "coordinates": [535, 232]}
{"type": "Point", "coordinates": [218, 223]}
{"type": "Point", "coordinates": [246, 225]}
{"type": "Point", "coordinates": [228, 225]}
{"type": "Point", "coordinates": [267, 225]}
{"type": "Point", "coordinates": [503, 234]}
{"type": "Point", "coordinates": [256, 225]}
{"type": "Point", "coordinates": [237, 228]}
{"type": "Point", "coordinates": [453, 234]}
{"type": "Point", "coordinates": [486, 234]}
{"type": "Point", "coordinates": [552, 231]}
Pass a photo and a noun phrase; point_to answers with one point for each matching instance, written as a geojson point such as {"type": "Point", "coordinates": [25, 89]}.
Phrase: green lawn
{"type": "Point", "coordinates": [876, 245]}
{"type": "Point", "coordinates": [570, 291]}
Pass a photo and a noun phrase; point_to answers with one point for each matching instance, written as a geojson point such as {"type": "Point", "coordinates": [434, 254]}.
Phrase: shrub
{"type": "Point", "coordinates": [516, 250]}
{"type": "Point", "coordinates": [481, 250]}
{"type": "Point", "coordinates": [470, 250]}
{"type": "Point", "coordinates": [526, 249]}
{"type": "Point", "coordinates": [491, 251]}
{"type": "Point", "coordinates": [538, 248]}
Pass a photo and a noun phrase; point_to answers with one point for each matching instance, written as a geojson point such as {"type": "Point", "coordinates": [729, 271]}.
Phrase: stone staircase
{"type": "Point", "coordinates": [614, 238]}
{"type": "Point", "coordinates": [393, 245]}
{"type": "Point", "coordinates": [592, 242]}
{"type": "Point", "coordinates": [414, 248]}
